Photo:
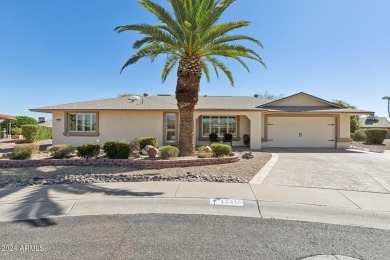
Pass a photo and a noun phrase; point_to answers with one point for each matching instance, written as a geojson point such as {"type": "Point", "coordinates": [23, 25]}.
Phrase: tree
{"type": "Point", "coordinates": [266, 95]}
{"type": "Point", "coordinates": [354, 123]}
{"type": "Point", "coordinates": [190, 37]}
{"type": "Point", "coordinates": [20, 120]}
{"type": "Point", "coordinates": [388, 103]}
{"type": "Point", "coordinates": [125, 95]}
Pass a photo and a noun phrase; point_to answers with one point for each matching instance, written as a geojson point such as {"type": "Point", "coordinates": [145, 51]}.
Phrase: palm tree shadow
{"type": "Point", "coordinates": [38, 208]}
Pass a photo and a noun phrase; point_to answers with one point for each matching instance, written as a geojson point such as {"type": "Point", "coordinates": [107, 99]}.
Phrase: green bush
{"type": "Point", "coordinates": [30, 148]}
{"type": "Point", "coordinates": [221, 149]}
{"type": "Point", "coordinates": [117, 150]}
{"type": "Point", "coordinates": [144, 141]}
{"type": "Point", "coordinates": [16, 131]}
{"type": "Point", "coordinates": [61, 151]}
{"type": "Point", "coordinates": [360, 136]}
{"type": "Point", "coordinates": [352, 136]}
{"type": "Point", "coordinates": [44, 133]}
{"type": "Point", "coordinates": [34, 133]}
{"type": "Point", "coordinates": [20, 120]}
{"type": "Point", "coordinates": [88, 150]}
{"type": "Point", "coordinates": [22, 155]}
{"type": "Point", "coordinates": [168, 152]}
{"type": "Point", "coordinates": [376, 135]}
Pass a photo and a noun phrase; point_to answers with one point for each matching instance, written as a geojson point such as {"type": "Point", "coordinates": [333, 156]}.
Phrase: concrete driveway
{"type": "Point", "coordinates": [331, 169]}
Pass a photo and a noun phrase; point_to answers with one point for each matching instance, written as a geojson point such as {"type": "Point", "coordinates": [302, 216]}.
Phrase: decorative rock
{"type": "Point", "coordinates": [248, 155]}
{"type": "Point", "coordinates": [207, 149]}
{"type": "Point", "coordinates": [146, 149]}
{"type": "Point", "coordinates": [152, 152]}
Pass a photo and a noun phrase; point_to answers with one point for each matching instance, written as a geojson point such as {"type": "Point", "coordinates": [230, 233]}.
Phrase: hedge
{"type": "Point", "coordinates": [20, 120]}
{"type": "Point", "coordinates": [23, 155]}
{"type": "Point", "coordinates": [34, 133]}
{"type": "Point", "coordinates": [376, 135]}
{"type": "Point", "coordinates": [221, 149]}
{"type": "Point", "coordinates": [360, 135]}
{"type": "Point", "coordinates": [144, 141]}
{"type": "Point", "coordinates": [117, 150]}
{"type": "Point", "coordinates": [168, 152]}
{"type": "Point", "coordinates": [88, 150]}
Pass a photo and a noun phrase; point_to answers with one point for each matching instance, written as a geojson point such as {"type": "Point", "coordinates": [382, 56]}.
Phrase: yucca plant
{"type": "Point", "coordinates": [190, 36]}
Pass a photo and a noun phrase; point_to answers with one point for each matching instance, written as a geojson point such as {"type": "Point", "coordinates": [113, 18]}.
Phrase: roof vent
{"type": "Point", "coordinates": [163, 95]}
{"type": "Point", "coordinates": [256, 95]}
{"type": "Point", "coordinates": [146, 94]}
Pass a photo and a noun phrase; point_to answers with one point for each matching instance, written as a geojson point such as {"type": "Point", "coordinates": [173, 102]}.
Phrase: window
{"type": "Point", "coordinates": [220, 125]}
{"type": "Point", "coordinates": [82, 122]}
{"type": "Point", "coordinates": [170, 128]}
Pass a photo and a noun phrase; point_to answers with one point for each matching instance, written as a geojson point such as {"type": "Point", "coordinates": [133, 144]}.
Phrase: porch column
{"type": "Point", "coordinates": [255, 133]}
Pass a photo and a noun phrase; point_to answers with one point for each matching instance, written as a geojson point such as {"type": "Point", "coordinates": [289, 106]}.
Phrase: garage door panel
{"type": "Point", "coordinates": [301, 132]}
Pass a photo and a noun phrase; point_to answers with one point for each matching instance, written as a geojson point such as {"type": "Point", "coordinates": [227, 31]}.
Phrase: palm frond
{"type": "Point", "coordinates": [219, 65]}
{"type": "Point", "coordinates": [170, 63]}
{"type": "Point", "coordinates": [205, 69]}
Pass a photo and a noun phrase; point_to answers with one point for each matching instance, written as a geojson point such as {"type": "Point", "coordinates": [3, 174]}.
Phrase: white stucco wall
{"type": "Point", "coordinates": [344, 134]}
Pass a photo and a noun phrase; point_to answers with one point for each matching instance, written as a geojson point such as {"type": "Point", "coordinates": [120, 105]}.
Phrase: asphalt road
{"type": "Point", "coordinates": [186, 237]}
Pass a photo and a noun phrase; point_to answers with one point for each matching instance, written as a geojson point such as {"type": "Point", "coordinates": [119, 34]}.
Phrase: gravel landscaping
{"type": "Point", "coordinates": [380, 148]}
{"type": "Point", "coordinates": [238, 172]}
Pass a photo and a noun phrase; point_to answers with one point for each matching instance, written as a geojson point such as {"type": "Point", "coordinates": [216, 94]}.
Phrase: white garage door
{"type": "Point", "coordinates": [301, 132]}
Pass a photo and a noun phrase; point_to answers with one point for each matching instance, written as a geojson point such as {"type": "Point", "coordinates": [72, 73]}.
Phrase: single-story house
{"type": "Point", "coordinates": [376, 122]}
{"type": "Point", "coordinates": [300, 120]}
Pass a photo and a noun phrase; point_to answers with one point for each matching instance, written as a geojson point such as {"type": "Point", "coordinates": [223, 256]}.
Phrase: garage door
{"type": "Point", "coordinates": [301, 132]}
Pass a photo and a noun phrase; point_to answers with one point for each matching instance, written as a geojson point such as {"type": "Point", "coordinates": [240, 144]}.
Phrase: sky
{"type": "Point", "coordinates": [56, 52]}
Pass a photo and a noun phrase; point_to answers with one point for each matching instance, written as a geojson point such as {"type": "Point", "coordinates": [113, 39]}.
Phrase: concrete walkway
{"type": "Point", "coordinates": [364, 209]}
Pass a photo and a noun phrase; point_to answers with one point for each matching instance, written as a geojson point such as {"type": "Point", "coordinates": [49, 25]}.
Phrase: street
{"type": "Point", "coordinates": [168, 236]}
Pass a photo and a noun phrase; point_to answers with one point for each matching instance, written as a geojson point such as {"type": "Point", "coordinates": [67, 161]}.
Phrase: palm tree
{"type": "Point", "coordinates": [388, 103]}
{"type": "Point", "coordinates": [190, 36]}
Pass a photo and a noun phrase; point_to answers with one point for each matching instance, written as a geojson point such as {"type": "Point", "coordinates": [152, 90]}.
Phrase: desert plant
{"type": "Point", "coordinates": [117, 150]}
{"type": "Point", "coordinates": [376, 135]}
{"type": "Point", "coordinates": [191, 37]}
{"type": "Point", "coordinates": [22, 155]}
{"type": "Point", "coordinates": [168, 152]}
{"type": "Point", "coordinates": [16, 131]}
{"type": "Point", "coordinates": [221, 150]}
{"type": "Point", "coordinates": [30, 148]}
{"type": "Point", "coordinates": [360, 135]}
{"type": "Point", "coordinates": [61, 151]}
{"type": "Point", "coordinates": [88, 150]}
{"type": "Point", "coordinates": [144, 141]}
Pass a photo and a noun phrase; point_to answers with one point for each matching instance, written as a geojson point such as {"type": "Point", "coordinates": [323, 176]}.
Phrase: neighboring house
{"type": "Point", "coordinates": [376, 122]}
{"type": "Point", "coordinates": [300, 120]}
{"type": "Point", "coordinates": [46, 122]}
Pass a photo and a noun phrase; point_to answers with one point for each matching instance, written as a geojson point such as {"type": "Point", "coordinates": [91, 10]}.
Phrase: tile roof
{"type": "Point", "coordinates": [378, 122]}
{"type": "Point", "coordinates": [160, 103]}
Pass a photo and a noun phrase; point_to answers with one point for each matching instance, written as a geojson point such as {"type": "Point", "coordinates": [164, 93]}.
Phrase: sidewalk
{"type": "Point", "coordinates": [260, 201]}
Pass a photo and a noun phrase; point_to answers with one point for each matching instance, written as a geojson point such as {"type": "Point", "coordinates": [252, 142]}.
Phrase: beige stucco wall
{"type": "Point", "coordinates": [299, 100]}
{"type": "Point", "coordinates": [344, 131]}
{"type": "Point", "coordinates": [114, 126]}
{"type": "Point", "coordinates": [245, 126]}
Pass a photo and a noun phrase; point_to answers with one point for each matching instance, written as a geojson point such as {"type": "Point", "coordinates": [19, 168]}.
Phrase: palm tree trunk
{"type": "Point", "coordinates": [187, 90]}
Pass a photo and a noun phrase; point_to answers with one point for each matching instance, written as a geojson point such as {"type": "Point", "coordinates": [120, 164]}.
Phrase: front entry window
{"type": "Point", "coordinates": [220, 125]}
{"type": "Point", "coordinates": [170, 128]}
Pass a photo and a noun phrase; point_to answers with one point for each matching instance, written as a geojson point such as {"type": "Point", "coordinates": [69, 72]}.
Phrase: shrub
{"type": "Point", "coordinates": [376, 135]}
{"type": "Point", "coordinates": [168, 152]}
{"type": "Point", "coordinates": [360, 136]}
{"type": "Point", "coordinates": [61, 151]}
{"type": "Point", "coordinates": [20, 120]}
{"type": "Point", "coordinates": [30, 133]}
{"type": "Point", "coordinates": [16, 131]}
{"type": "Point", "coordinates": [30, 148]}
{"type": "Point", "coordinates": [33, 133]}
{"type": "Point", "coordinates": [221, 149]}
{"type": "Point", "coordinates": [202, 153]}
{"type": "Point", "coordinates": [352, 136]}
{"type": "Point", "coordinates": [88, 150]}
{"type": "Point", "coordinates": [22, 155]}
{"type": "Point", "coordinates": [117, 150]}
{"type": "Point", "coordinates": [144, 141]}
